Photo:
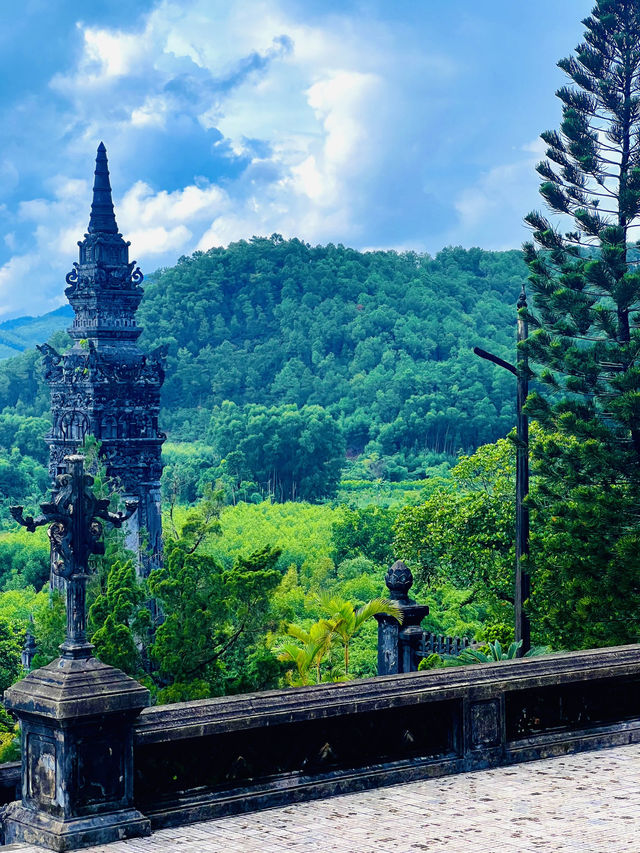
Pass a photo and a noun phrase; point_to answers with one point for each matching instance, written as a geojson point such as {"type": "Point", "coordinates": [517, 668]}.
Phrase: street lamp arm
{"type": "Point", "coordinates": [496, 360]}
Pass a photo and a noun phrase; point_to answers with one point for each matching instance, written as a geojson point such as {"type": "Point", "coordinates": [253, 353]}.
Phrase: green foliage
{"type": "Point", "coordinates": [25, 434]}
{"type": "Point", "coordinates": [300, 531]}
{"type": "Point", "coordinates": [199, 523]}
{"type": "Point", "coordinates": [118, 621]}
{"type": "Point", "coordinates": [492, 653]}
{"type": "Point", "coordinates": [307, 653]}
{"type": "Point", "coordinates": [9, 737]}
{"type": "Point", "coordinates": [189, 468]}
{"type": "Point", "coordinates": [586, 589]}
{"type": "Point", "coordinates": [504, 634]}
{"type": "Point", "coordinates": [586, 340]}
{"type": "Point", "coordinates": [312, 655]}
{"type": "Point", "coordinates": [18, 606]}
{"type": "Point", "coordinates": [362, 493]}
{"type": "Point", "coordinates": [367, 531]}
{"type": "Point", "coordinates": [464, 532]}
{"type": "Point", "coordinates": [290, 453]}
{"type": "Point", "coordinates": [380, 340]}
{"type": "Point", "coordinates": [210, 615]}
{"type": "Point", "coordinates": [50, 628]}
{"type": "Point", "coordinates": [432, 661]}
{"type": "Point", "coordinates": [24, 559]}
{"type": "Point", "coordinates": [22, 389]}
{"type": "Point", "coordinates": [23, 480]}
{"type": "Point", "coordinates": [11, 642]}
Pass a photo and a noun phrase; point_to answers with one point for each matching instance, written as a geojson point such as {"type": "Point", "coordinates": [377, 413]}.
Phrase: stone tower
{"type": "Point", "coordinates": [105, 386]}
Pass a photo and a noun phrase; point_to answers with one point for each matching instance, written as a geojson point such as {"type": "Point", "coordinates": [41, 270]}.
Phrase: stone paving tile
{"type": "Point", "coordinates": [588, 803]}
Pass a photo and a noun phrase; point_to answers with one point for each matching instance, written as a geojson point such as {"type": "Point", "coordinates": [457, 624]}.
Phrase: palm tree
{"type": "Point", "coordinates": [316, 642]}
{"type": "Point", "coordinates": [346, 620]}
{"type": "Point", "coordinates": [313, 646]}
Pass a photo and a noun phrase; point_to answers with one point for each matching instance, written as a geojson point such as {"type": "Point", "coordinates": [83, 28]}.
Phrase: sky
{"type": "Point", "coordinates": [407, 125]}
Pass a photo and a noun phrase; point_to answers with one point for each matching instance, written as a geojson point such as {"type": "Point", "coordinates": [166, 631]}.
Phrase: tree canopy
{"type": "Point", "coordinates": [586, 337]}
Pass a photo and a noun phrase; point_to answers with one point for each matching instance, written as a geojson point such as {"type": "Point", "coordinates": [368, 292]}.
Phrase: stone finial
{"type": "Point", "coordinates": [103, 218]}
{"type": "Point", "coordinates": [399, 581]}
{"type": "Point", "coordinates": [522, 299]}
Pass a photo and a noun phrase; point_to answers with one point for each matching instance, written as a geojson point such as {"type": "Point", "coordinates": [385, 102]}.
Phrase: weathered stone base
{"type": "Point", "coordinates": [30, 827]}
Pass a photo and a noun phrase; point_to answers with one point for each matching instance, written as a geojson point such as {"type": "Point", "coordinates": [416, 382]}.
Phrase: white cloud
{"type": "Point", "coordinates": [342, 103]}
{"type": "Point", "coordinates": [148, 218]}
{"type": "Point", "coordinates": [502, 196]}
{"type": "Point", "coordinates": [312, 121]}
{"type": "Point", "coordinates": [16, 275]}
{"type": "Point", "coordinates": [114, 52]}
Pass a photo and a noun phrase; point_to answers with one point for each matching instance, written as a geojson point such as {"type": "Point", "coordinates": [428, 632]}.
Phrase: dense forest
{"type": "Point", "coordinates": [319, 403]}
{"type": "Point", "coordinates": [382, 341]}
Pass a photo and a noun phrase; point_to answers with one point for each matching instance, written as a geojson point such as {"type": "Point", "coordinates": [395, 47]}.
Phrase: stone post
{"type": "Point", "coordinates": [399, 645]}
{"type": "Point", "coordinates": [77, 713]}
{"type": "Point", "coordinates": [29, 649]}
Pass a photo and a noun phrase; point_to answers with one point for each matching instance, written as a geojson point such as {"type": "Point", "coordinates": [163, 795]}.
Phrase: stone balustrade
{"type": "Point", "coordinates": [197, 760]}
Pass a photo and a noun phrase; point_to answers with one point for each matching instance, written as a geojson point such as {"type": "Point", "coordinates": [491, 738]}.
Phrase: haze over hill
{"type": "Point", "coordinates": [21, 333]}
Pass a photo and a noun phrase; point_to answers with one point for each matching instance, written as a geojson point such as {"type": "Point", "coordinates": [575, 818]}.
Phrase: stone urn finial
{"type": "Point", "coordinates": [399, 581]}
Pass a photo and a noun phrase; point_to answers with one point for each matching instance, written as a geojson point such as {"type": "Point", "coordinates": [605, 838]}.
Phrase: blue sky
{"type": "Point", "coordinates": [406, 125]}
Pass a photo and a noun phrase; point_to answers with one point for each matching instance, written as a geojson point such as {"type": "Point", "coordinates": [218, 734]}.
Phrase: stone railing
{"type": "Point", "coordinates": [197, 760]}
{"type": "Point", "coordinates": [98, 765]}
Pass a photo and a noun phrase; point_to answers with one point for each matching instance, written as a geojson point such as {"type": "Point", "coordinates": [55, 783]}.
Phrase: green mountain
{"type": "Point", "coordinates": [23, 333]}
{"type": "Point", "coordinates": [383, 341]}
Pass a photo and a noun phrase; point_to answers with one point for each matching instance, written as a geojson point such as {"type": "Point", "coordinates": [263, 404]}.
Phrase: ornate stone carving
{"type": "Point", "coordinates": [105, 385]}
{"type": "Point", "coordinates": [74, 517]}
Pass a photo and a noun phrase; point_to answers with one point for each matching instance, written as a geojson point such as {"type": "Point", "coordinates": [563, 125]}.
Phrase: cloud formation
{"type": "Point", "coordinates": [227, 119]}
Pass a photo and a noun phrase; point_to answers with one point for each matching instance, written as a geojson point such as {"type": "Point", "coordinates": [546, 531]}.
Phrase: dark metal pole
{"type": "Point", "coordinates": [523, 581]}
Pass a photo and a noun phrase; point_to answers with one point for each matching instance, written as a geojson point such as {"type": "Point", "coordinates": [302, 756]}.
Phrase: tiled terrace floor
{"type": "Point", "coordinates": [588, 803]}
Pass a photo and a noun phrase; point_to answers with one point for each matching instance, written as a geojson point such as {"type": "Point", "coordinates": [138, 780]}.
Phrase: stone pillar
{"type": "Point", "coordinates": [77, 713]}
{"type": "Point", "coordinates": [399, 645]}
{"type": "Point", "coordinates": [77, 755]}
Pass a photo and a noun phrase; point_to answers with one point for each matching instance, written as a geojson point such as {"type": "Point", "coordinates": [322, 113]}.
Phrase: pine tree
{"type": "Point", "coordinates": [586, 284]}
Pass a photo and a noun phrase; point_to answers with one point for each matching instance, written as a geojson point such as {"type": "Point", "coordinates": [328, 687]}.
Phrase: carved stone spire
{"type": "Point", "coordinates": [105, 385]}
{"type": "Point", "coordinates": [104, 286]}
{"type": "Point", "coordinates": [102, 219]}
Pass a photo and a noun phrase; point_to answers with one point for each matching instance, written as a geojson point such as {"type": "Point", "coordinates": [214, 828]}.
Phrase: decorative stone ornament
{"type": "Point", "coordinates": [75, 530]}
{"type": "Point", "coordinates": [76, 713]}
{"type": "Point", "coordinates": [399, 643]}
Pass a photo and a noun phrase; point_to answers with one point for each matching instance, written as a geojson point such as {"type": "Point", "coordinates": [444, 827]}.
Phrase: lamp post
{"type": "Point", "coordinates": [521, 372]}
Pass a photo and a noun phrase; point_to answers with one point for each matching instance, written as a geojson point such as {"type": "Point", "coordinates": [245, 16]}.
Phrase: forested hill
{"type": "Point", "coordinates": [382, 340]}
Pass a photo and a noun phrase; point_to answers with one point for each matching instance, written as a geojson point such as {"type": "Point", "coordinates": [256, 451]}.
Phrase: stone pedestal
{"type": "Point", "coordinates": [77, 755]}
{"type": "Point", "coordinates": [399, 645]}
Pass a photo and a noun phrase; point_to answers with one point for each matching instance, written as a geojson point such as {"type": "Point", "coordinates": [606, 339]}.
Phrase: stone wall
{"type": "Point", "coordinates": [197, 760]}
